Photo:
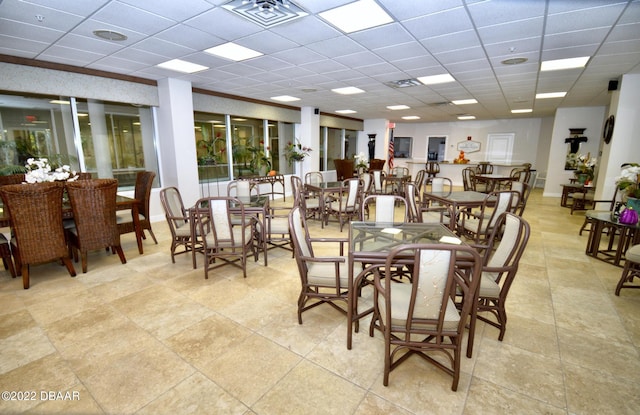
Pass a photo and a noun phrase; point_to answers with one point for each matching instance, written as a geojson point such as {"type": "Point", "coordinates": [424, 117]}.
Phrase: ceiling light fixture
{"type": "Point", "coordinates": [346, 111]}
{"type": "Point", "coordinates": [545, 95]}
{"type": "Point", "coordinates": [514, 61]}
{"type": "Point", "coordinates": [522, 111]}
{"type": "Point", "coordinates": [464, 101]}
{"type": "Point", "coordinates": [285, 98]}
{"type": "Point", "coordinates": [411, 117]}
{"type": "Point", "coordinates": [359, 15]}
{"type": "Point", "coordinates": [348, 90]}
{"type": "Point", "coordinates": [179, 65]}
{"type": "Point", "coordinates": [398, 107]}
{"type": "Point", "coordinates": [436, 79]}
{"type": "Point", "coordinates": [466, 117]}
{"type": "Point", "coordinates": [266, 13]}
{"type": "Point", "coordinates": [110, 35]}
{"type": "Point", "coordinates": [559, 64]}
{"type": "Point", "coordinates": [233, 51]}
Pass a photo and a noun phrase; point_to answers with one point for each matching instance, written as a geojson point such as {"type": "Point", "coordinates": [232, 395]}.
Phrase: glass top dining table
{"type": "Point", "coordinates": [371, 242]}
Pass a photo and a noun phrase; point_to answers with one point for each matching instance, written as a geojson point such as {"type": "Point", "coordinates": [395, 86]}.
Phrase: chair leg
{"type": "Point", "coordinates": [25, 276]}
{"type": "Point", "coordinates": [152, 236]}
{"type": "Point", "coordinates": [121, 254]}
{"type": "Point", "coordinates": [630, 270]}
{"type": "Point", "coordinates": [69, 265]}
{"type": "Point", "coordinates": [83, 256]}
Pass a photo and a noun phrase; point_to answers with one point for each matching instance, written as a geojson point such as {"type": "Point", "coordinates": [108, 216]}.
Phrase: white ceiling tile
{"type": "Point", "coordinates": [467, 38]}
{"type": "Point", "coordinates": [132, 18]}
{"type": "Point", "coordinates": [28, 31]}
{"type": "Point", "coordinates": [382, 36]}
{"type": "Point", "coordinates": [178, 10]}
{"type": "Point", "coordinates": [189, 37]}
{"type": "Point", "coordinates": [453, 20]}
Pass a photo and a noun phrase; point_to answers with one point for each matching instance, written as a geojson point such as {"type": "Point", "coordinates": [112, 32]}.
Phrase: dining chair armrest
{"type": "Point", "coordinates": [323, 259]}
{"type": "Point", "coordinates": [341, 241]}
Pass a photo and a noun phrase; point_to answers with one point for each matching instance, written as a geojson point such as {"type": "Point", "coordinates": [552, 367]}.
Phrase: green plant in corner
{"type": "Point", "coordinates": [629, 180]}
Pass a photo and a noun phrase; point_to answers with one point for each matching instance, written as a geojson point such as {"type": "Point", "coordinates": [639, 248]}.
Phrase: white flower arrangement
{"type": "Point", "coordinates": [361, 160]}
{"type": "Point", "coordinates": [39, 170]}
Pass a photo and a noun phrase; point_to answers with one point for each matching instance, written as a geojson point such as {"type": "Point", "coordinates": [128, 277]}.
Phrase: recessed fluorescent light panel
{"type": "Point", "coordinates": [233, 51]}
{"type": "Point", "coordinates": [349, 90]}
{"type": "Point", "coordinates": [411, 117]}
{"type": "Point", "coordinates": [551, 95]}
{"type": "Point", "coordinates": [522, 111]}
{"type": "Point", "coordinates": [179, 65]}
{"type": "Point", "coordinates": [285, 98]}
{"type": "Point", "coordinates": [59, 101]}
{"type": "Point", "coordinates": [466, 117]}
{"type": "Point", "coordinates": [346, 111]}
{"type": "Point", "coordinates": [359, 15]}
{"type": "Point", "coordinates": [436, 79]}
{"type": "Point", "coordinates": [464, 101]}
{"type": "Point", "coordinates": [398, 107]}
{"type": "Point", "coordinates": [559, 64]}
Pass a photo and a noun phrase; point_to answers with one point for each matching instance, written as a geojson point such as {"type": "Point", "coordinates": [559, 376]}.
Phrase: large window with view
{"type": "Point", "coordinates": [231, 147]}
{"type": "Point", "coordinates": [335, 144]}
{"type": "Point", "coordinates": [109, 140]}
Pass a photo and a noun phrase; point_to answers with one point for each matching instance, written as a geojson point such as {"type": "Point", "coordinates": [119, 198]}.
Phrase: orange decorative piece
{"type": "Point", "coordinates": [272, 172]}
{"type": "Point", "coordinates": [461, 159]}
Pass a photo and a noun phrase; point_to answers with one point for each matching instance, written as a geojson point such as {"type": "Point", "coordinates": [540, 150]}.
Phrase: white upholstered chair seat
{"type": "Point", "coordinates": [324, 273]}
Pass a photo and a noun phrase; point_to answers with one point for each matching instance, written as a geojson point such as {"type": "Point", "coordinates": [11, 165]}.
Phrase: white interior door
{"type": "Point", "coordinates": [499, 148]}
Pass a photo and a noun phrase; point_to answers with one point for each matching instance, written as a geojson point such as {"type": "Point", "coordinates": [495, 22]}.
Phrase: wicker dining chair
{"type": "Point", "coordinates": [94, 212]}
{"type": "Point", "coordinates": [11, 179]}
{"type": "Point", "coordinates": [36, 219]}
{"type": "Point", "coordinates": [423, 316]}
{"type": "Point", "coordinates": [142, 193]}
{"type": "Point", "coordinates": [183, 231]}
{"type": "Point", "coordinates": [223, 239]}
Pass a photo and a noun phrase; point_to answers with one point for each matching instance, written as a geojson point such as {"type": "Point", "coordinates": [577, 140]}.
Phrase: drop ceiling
{"type": "Point", "coordinates": [307, 57]}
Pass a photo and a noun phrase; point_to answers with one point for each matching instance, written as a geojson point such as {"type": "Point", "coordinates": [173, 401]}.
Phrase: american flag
{"type": "Point", "coordinates": [391, 150]}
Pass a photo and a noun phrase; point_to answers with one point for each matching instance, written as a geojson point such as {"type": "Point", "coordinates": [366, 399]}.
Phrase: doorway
{"type": "Point", "coordinates": [500, 148]}
{"type": "Point", "coordinates": [436, 146]}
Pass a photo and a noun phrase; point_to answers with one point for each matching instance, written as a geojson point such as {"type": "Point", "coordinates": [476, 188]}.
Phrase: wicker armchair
{"type": "Point", "coordinates": [94, 211]}
{"type": "Point", "coordinates": [36, 218]}
{"type": "Point", "coordinates": [144, 182]}
{"type": "Point", "coordinates": [11, 179]}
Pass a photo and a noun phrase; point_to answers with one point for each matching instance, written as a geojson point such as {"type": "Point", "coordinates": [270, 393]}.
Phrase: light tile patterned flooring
{"type": "Point", "coordinates": [152, 337]}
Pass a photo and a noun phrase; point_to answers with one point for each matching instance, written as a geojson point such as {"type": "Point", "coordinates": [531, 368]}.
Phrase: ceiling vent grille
{"type": "Point", "coordinates": [266, 13]}
{"type": "Point", "coordinates": [404, 83]}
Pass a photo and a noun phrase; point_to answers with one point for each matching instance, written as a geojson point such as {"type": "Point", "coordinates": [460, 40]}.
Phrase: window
{"type": "Point", "coordinates": [335, 140]}
{"type": "Point", "coordinates": [402, 147]}
{"type": "Point", "coordinates": [112, 140]}
{"type": "Point", "coordinates": [254, 145]}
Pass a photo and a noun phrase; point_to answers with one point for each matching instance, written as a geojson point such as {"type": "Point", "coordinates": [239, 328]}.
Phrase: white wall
{"type": "Point", "coordinates": [525, 149]}
{"type": "Point", "coordinates": [590, 118]}
{"type": "Point", "coordinates": [625, 145]}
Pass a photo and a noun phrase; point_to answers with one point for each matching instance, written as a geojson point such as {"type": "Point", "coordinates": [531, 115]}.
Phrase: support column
{"type": "Point", "coordinates": [177, 142]}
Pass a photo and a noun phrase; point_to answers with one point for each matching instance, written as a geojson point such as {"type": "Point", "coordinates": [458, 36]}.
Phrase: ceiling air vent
{"type": "Point", "coordinates": [403, 83]}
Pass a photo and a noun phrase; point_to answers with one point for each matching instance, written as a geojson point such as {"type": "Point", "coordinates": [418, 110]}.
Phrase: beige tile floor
{"type": "Point", "coordinates": [152, 337]}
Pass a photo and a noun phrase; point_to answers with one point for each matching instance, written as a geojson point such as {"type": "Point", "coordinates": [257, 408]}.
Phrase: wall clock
{"type": "Point", "coordinates": [608, 129]}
